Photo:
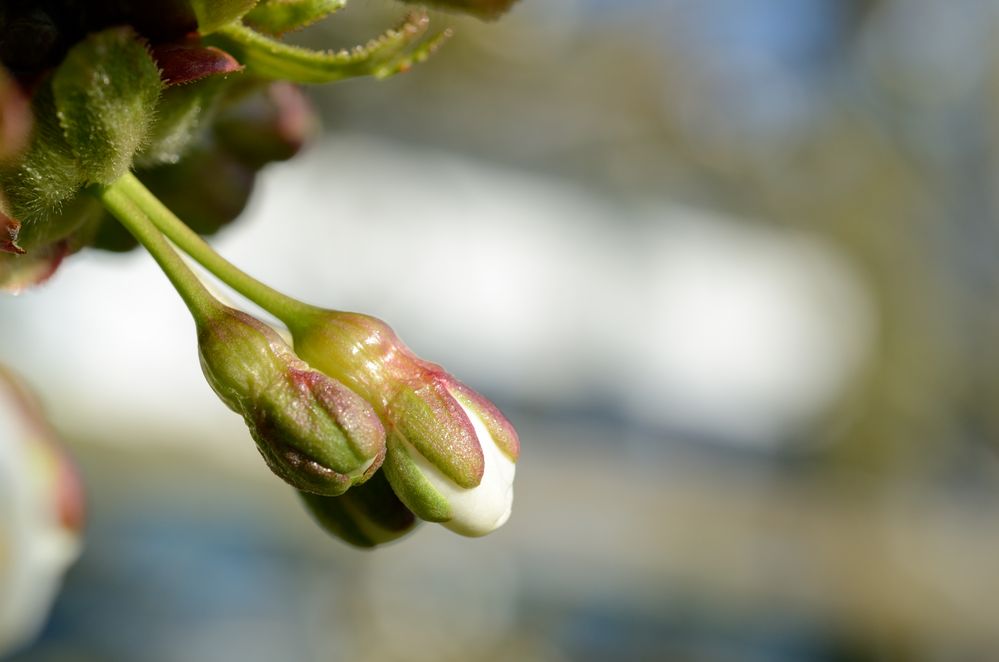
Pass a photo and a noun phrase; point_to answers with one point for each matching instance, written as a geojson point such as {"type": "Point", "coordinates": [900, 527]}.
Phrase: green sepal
{"type": "Point", "coordinates": [105, 95]}
{"type": "Point", "coordinates": [280, 16]}
{"type": "Point", "coordinates": [486, 9]}
{"type": "Point", "coordinates": [214, 14]}
{"type": "Point", "coordinates": [383, 56]}
{"type": "Point", "coordinates": [45, 176]}
{"type": "Point", "coordinates": [432, 421]}
{"type": "Point", "coordinates": [412, 487]}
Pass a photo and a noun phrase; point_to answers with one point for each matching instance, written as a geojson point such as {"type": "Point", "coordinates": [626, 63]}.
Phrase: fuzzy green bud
{"type": "Point", "coordinates": [105, 94]}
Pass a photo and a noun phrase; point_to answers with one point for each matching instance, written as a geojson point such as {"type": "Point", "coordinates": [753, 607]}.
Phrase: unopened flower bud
{"type": "Point", "coordinates": [365, 516]}
{"type": "Point", "coordinates": [41, 514]}
{"type": "Point", "coordinates": [313, 432]}
{"type": "Point", "coordinates": [451, 453]}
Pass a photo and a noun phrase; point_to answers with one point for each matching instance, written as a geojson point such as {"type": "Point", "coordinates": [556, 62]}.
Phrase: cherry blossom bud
{"type": "Point", "coordinates": [451, 453]}
{"type": "Point", "coordinates": [313, 432]}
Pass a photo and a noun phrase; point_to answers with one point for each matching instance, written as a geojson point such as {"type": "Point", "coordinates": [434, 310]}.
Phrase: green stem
{"type": "Point", "coordinates": [116, 199]}
{"type": "Point", "coordinates": [383, 56]}
{"type": "Point", "coordinates": [292, 312]}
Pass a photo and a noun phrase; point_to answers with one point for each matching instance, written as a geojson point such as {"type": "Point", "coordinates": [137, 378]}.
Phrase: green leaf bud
{"type": "Point", "coordinates": [105, 93]}
{"type": "Point", "coordinates": [45, 176]}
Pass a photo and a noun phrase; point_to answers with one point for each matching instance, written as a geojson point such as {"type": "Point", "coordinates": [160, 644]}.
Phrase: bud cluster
{"type": "Point", "coordinates": [351, 403]}
{"type": "Point", "coordinates": [451, 453]}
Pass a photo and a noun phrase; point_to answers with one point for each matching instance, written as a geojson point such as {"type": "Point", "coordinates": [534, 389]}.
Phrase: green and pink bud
{"type": "Point", "coordinates": [451, 453]}
{"type": "Point", "coordinates": [313, 432]}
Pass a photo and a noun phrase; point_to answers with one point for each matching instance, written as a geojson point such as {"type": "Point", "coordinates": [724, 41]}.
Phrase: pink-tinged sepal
{"type": "Point", "coordinates": [427, 416]}
{"type": "Point", "coordinates": [500, 428]}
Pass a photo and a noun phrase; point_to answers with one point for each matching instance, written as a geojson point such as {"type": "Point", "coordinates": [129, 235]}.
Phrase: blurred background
{"type": "Point", "coordinates": [730, 267]}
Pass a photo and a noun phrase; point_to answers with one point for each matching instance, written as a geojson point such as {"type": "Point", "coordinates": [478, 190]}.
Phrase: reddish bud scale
{"type": "Point", "coordinates": [187, 61]}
